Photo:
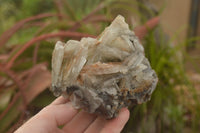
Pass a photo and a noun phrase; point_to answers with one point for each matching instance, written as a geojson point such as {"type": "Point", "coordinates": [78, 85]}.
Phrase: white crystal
{"type": "Point", "coordinates": [103, 75]}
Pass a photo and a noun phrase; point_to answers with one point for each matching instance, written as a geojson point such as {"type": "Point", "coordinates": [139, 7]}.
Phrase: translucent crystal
{"type": "Point", "coordinates": [104, 74]}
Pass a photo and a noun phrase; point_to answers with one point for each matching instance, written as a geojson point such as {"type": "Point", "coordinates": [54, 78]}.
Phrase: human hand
{"type": "Point", "coordinates": [61, 113]}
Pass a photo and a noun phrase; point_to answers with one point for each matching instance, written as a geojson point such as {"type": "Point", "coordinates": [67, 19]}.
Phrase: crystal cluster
{"type": "Point", "coordinates": [104, 74]}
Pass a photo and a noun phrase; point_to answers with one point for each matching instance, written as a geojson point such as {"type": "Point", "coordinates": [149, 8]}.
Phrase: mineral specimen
{"type": "Point", "coordinates": [104, 74]}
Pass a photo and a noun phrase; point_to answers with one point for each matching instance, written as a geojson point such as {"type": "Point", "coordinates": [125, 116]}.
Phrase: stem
{"type": "Point", "coordinates": [43, 37]}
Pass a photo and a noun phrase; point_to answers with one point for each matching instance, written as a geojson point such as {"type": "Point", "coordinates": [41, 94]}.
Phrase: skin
{"type": "Point", "coordinates": [61, 113]}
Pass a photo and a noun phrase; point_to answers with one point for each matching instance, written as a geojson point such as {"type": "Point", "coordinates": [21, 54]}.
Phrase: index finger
{"type": "Point", "coordinates": [60, 100]}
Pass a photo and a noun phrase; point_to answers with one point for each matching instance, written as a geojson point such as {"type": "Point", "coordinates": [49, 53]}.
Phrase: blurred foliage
{"type": "Point", "coordinates": [174, 106]}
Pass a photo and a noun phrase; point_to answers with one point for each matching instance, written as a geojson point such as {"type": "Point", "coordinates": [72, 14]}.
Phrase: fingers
{"type": "Point", "coordinates": [59, 114]}
{"type": "Point", "coordinates": [109, 126]}
{"type": "Point", "coordinates": [59, 100]}
{"type": "Point", "coordinates": [96, 126]}
{"type": "Point", "coordinates": [116, 125]}
{"type": "Point", "coordinates": [82, 120]}
{"type": "Point", "coordinates": [49, 118]}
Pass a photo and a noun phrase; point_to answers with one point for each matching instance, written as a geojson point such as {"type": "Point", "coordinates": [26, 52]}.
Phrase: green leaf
{"type": "Point", "coordinates": [5, 97]}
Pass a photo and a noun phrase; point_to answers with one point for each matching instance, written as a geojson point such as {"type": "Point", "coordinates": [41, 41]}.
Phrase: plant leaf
{"type": "Point", "coordinates": [40, 80]}
{"type": "Point", "coordinates": [5, 97]}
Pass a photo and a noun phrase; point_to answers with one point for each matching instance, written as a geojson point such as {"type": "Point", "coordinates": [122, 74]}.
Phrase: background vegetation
{"type": "Point", "coordinates": [29, 30]}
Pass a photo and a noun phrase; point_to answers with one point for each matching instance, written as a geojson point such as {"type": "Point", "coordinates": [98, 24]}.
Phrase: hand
{"type": "Point", "coordinates": [60, 113]}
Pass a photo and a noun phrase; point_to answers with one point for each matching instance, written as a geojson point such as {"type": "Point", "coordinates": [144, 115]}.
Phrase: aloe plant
{"type": "Point", "coordinates": [26, 49]}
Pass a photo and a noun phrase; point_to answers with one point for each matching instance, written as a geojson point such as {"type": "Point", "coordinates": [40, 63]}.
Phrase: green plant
{"type": "Point", "coordinates": [27, 46]}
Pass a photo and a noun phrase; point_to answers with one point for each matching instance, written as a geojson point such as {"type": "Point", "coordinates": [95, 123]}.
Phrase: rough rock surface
{"type": "Point", "coordinates": [101, 75]}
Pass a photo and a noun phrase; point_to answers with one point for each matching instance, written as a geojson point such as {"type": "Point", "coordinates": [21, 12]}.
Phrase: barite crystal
{"type": "Point", "coordinates": [104, 74]}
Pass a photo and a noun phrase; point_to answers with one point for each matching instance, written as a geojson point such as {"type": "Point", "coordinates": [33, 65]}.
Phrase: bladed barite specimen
{"type": "Point", "coordinates": [101, 75]}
